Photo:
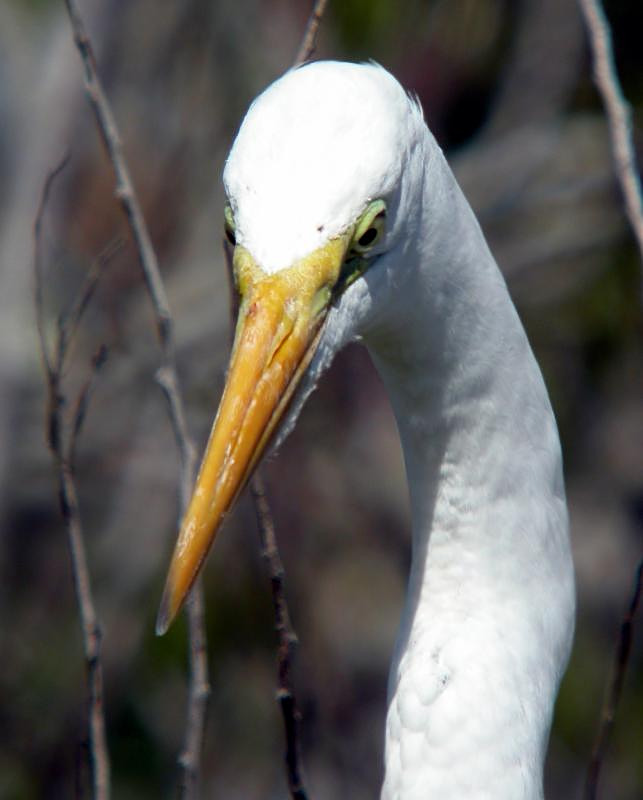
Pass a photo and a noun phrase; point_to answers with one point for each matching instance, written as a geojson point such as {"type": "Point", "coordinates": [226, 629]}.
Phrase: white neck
{"type": "Point", "coordinates": [488, 619]}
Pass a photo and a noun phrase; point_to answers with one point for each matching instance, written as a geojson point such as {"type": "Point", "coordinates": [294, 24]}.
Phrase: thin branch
{"type": "Point", "coordinates": [307, 47]}
{"type": "Point", "coordinates": [62, 439]}
{"type": "Point", "coordinates": [614, 690]}
{"type": "Point", "coordinates": [82, 401]}
{"type": "Point", "coordinates": [199, 688]}
{"type": "Point", "coordinates": [100, 768]}
{"type": "Point", "coordinates": [619, 116]}
{"type": "Point", "coordinates": [168, 378]}
{"type": "Point", "coordinates": [190, 757]}
{"type": "Point", "coordinates": [124, 189]}
{"type": "Point", "coordinates": [38, 269]}
{"type": "Point", "coordinates": [70, 321]}
{"type": "Point", "coordinates": [618, 113]}
{"type": "Point", "coordinates": [287, 639]}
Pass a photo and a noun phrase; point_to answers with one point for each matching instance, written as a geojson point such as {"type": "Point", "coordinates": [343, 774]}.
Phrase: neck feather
{"type": "Point", "coordinates": [488, 619]}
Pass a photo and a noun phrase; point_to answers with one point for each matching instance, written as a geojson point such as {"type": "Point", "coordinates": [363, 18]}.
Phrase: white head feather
{"type": "Point", "coordinates": [291, 184]}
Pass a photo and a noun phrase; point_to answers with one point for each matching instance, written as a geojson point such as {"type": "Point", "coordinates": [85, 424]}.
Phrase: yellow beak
{"type": "Point", "coordinates": [278, 329]}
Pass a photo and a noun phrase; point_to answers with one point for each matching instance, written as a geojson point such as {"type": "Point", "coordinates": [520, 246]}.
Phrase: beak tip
{"type": "Point", "coordinates": [165, 616]}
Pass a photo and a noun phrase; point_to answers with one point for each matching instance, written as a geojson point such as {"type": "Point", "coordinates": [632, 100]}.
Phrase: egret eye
{"type": "Point", "coordinates": [370, 228]}
{"type": "Point", "coordinates": [368, 237]}
{"type": "Point", "coordinates": [229, 226]}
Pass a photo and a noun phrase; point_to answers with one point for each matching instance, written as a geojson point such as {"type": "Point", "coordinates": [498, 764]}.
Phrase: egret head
{"type": "Point", "coordinates": [314, 150]}
{"type": "Point", "coordinates": [322, 192]}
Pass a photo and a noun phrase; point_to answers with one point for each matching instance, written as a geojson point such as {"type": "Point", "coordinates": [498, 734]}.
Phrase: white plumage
{"type": "Point", "coordinates": [488, 620]}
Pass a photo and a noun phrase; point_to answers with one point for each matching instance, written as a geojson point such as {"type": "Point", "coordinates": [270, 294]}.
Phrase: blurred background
{"type": "Point", "coordinates": [506, 87]}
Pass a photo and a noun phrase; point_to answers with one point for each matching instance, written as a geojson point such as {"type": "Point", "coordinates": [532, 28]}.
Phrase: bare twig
{"type": "Point", "coordinates": [618, 112]}
{"type": "Point", "coordinates": [168, 378]}
{"type": "Point", "coordinates": [38, 269]}
{"type": "Point", "coordinates": [287, 639]}
{"type": "Point", "coordinates": [124, 189]}
{"type": "Point", "coordinates": [62, 435]}
{"type": "Point", "coordinates": [100, 768]}
{"type": "Point", "coordinates": [614, 689]}
{"type": "Point", "coordinates": [190, 757]}
{"type": "Point", "coordinates": [69, 321]}
{"type": "Point", "coordinates": [307, 47]}
{"type": "Point", "coordinates": [82, 401]}
{"type": "Point", "coordinates": [619, 118]}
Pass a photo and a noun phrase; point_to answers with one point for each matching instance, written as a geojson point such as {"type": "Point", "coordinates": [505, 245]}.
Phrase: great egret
{"type": "Point", "coordinates": [348, 223]}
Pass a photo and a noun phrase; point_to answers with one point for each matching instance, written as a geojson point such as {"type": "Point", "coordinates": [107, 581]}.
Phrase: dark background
{"type": "Point", "coordinates": [506, 87]}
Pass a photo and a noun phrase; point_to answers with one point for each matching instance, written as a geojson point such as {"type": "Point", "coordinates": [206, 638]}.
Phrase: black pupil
{"type": "Point", "coordinates": [229, 233]}
{"type": "Point", "coordinates": [368, 237]}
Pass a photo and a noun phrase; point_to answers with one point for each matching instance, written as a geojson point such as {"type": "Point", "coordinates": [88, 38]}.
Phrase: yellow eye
{"type": "Point", "coordinates": [229, 226]}
{"type": "Point", "coordinates": [370, 228]}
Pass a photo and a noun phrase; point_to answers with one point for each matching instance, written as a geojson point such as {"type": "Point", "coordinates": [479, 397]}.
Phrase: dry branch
{"type": "Point", "coordinates": [307, 47]}
{"type": "Point", "coordinates": [619, 117]}
{"type": "Point", "coordinates": [614, 689]}
{"type": "Point", "coordinates": [168, 378]}
{"type": "Point", "coordinates": [287, 640]}
{"type": "Point", "coordinates": [62, 435]}
{"type": "Point", "coordinates": [618, 113]}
